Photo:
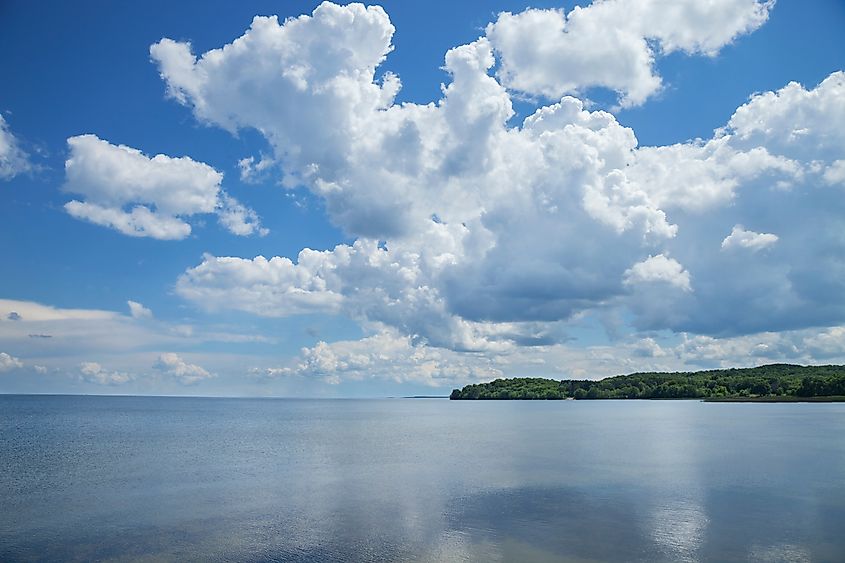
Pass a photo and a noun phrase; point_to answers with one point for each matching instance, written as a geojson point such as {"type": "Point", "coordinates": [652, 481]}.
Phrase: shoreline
{"type": "Point", "coordinates": [775, 399]}
{"type": "Point", "coordinates": [770, 399]}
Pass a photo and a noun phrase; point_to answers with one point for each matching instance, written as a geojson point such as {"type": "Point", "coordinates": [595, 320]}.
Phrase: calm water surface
{"type": "Point", "coordinates": [133, 478]}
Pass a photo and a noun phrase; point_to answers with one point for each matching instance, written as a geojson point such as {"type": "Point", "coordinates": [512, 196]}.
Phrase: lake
{"type": "Point", "coordinates": [152, 478]}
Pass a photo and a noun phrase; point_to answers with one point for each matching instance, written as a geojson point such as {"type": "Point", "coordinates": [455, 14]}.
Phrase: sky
{"type": "Point", "coordinates": [327, 200]}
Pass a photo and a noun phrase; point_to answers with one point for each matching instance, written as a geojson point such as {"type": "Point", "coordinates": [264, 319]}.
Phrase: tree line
{"type": "Point", "coordinates": [774, 380]}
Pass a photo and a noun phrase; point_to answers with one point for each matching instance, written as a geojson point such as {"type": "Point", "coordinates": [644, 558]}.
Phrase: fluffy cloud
{"type": "Point", "coordinates": [613, 44]}
{"type": "Point", "coordinates": [698, 176]}
{"type": "Point", "coordinates": [447, 184]}
{"type": "Point", "coordinates": [252, 172]}
{"type": "Point", "coordinates": [387, 356]}
{"type": "Point", "coordinates": [660, 269]}
{"type": "Point", "coordinates": [239, 219]}
{"type": "Point", "coordinates": [138, 311]}
{"type": "Point", "coordinates": [13, 159]}
{"type": "Point", "coordinates": [796, 122]}
{"type": "Point", "coordinates": [136, 195]}
{"type": "Point", "coordinates": [474, 233]}
{"type": "Point", "coordinates": [321, 72]}
{"type": "Point", "coordinates": [365, 281]}
{"type": "Point", "coordinates": [8, 363]}
{"type": "Point", "coordinates": [796, 282]}
{"type": "Point", "coordinates": [174, 366]}
{"type": "Point", "coordinates": [275, 287]}
{"type": "Point", "coordinates": [835, 173]}
{"type": "Point", "coordinates": [741, 238]}
{"type": "Point", "coordinates": [93, 372]}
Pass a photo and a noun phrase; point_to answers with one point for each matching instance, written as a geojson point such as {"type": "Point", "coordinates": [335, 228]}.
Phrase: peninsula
{"type": "Point", "coordinates": [769, 383]}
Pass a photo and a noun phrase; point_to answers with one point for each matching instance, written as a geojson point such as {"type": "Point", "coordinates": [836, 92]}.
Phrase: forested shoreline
{"type": "Point", "coordinates": [774, 382]}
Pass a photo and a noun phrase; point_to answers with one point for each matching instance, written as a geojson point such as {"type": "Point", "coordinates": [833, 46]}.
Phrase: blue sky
{"type": "Point", "coordinates": [571, 192]}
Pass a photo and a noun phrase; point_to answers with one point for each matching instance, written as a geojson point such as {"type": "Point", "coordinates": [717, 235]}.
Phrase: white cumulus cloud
{"type": "Point", "coordinates": [613, 43]}
{"type": "Point", "coordinates": [659, 268]}
{"type": "Point", "coordinates": [275, 287]}
{"type": "Point", "coordinates": [93, 372]}
{"type": "Point", "coordinates": [8, 363]}
{"type": "Point", "coordinates": [795, 121]}
{"type": "Point", "coordinates": [742, 238]}
{"type": "Point", "coordinates": [173, 365]}
{"type": "Point", "coordinates": [697, 176]}
{"type": "Point", "coordinates": [143, 196]}
{"type": "Point", "coordinates": [237, 218]}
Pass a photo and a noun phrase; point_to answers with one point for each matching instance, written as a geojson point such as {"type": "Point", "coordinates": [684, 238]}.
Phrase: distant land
{"type": "Point", "coordinates": [769, 383]}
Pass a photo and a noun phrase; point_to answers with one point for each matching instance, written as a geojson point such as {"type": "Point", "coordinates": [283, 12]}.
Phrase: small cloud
{"type": "Point", "coordinates": [95, 373]}
{"type": "Point", "coordinates": [185, 331]}
{"type": "Point", "coordinates": [40, 369]}
{"type": "Point", "coordinates": [658, 268]}
{"type": "Point", "coordinates": [835, 173]}
{"type": "Point", "coordinates": [138, 311]}
{"type": "Point", "coordinates": [238, 219]}
{"type": "Point", "coordinates": [13, 159]}
{"type": "Point", "coordinates": [8, 363]}
{"type": "Point", "coordinates": [187, 374]}
{"type": "Point", "coordinates": [648, 348]}
{"type": "Point", "coordinates": [741, 238]}
{"type": "Point", "coordinates": [271, 373]}
{"type": "Point", "coordinates": [121, 188]}
{"type": "Point", "coordinates": [253, 172]}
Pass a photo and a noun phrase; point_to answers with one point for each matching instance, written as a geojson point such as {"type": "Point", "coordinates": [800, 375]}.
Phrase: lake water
{"type": "Point", "coordinates": [134, 478]}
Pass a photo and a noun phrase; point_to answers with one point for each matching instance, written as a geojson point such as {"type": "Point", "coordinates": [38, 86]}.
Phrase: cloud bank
{"type": "Point", "coordinates": [476, 234]}
{"type": "Point", "coordinates": [108, 348]}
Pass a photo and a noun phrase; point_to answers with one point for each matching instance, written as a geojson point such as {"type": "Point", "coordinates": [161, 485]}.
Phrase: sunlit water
{"type": "Point", "coordinates": [124, 478]}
